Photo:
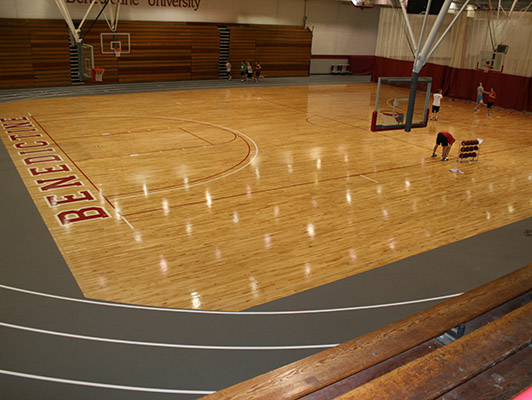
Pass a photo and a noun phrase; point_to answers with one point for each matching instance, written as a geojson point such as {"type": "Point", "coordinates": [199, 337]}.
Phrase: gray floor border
{"type": "Point", "coordinates": [31, 261]}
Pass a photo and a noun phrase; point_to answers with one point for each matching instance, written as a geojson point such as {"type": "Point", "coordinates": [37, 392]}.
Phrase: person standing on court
{"type": "Point", "coordinates": [250, 71]}
{"type": "Point", "coordinates": [446, 140]}
{"type": "Point", "coordinates": [243, 71]}
{"type": "Point", "coordinates": [258, 69]}
{"type": "Point", "coordinates": [228, 69]}
{"type": "Point", "coordinates": [491, 100]}
{"type": "Point", "coordinates": [436, 104]}
{"type": "Point", "coordinates": [480, 93]}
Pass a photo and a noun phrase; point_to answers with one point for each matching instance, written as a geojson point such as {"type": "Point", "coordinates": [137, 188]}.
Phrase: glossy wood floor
{"type": "Point", "coordinates": [225, 199]}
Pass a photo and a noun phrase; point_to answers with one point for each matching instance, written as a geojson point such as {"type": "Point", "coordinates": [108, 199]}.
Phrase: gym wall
{"type": "Point", "coordinates": [337, 29]}
{"type": "Point", "coordinates": [453, 66]}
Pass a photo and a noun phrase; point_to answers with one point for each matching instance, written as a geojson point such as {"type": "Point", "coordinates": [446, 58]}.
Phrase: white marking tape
{"type": "Point", "coordinates": [369, 179]}
{"type": "Point", "coordinates": [167, 345]}
{"type": "Point", "coordinates": [180, 310]}
{"type": "Point", "coordinates": [126, 221]}
{"type": "Point", "coordinates": [101, 385]}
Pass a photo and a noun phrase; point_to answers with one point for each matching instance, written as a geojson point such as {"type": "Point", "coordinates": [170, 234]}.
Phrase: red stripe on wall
{"type": "Point", "coordinates": [361, 65]}
{"type": "Point", "coordinates": [513, 92]}
{"type": "Point", "coordinates": [327, 57]}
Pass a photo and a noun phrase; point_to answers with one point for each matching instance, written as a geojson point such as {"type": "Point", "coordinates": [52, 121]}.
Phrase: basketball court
{"type": "Point", "coordinates": [231, 198]}
{"type": "Point", "coordinates": [169, 239]}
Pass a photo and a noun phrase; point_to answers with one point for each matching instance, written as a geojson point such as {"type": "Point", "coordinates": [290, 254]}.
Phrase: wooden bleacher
{"type": "Point", "coordinates": [36, 52]}
{"type": "Point", "coordinates": [282, 50]}
{"type": "Point", "coordinates": [33, 53]}
{"type": "Point", "coordinates": [415, 359]}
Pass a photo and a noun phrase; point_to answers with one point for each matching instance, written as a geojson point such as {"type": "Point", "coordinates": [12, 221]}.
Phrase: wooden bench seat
{"type": "Point", "coordinates": [313, 373]}
{"type": "Point", "coordinates": [441, 371]}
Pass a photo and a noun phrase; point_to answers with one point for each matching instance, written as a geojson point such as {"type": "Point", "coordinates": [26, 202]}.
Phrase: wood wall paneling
{"type": "Point", "coordinates": [205, 52]}
{"type": "Point", "coordinates": [159, 52]}
{"type": "Point", "coordinates": [50, 52]}
{"type": "Point", "coordinates": [36, 52]}
{"type": "Point", "coordinates": [16, 68]}
{"type": "Point", "coordinates": [283, 52]}
{"type": "Point", "coordinates": [33, 53]}
{"type": "Point", "coordinates": [241, 47]}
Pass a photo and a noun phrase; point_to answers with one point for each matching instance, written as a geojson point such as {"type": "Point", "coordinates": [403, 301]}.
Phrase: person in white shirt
{"type": "Point", "coordinates": [436, 104]}
{"type": "Point", "coordinates": [480, 93]}
{"type": "Point", "coordinates": [228, 70]}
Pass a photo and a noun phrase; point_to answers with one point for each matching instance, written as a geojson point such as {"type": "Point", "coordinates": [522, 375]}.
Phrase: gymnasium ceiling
{"type": "Point", "coordinates": [506, 5]}
{"type": "Point", "coordinates": [494, 5]}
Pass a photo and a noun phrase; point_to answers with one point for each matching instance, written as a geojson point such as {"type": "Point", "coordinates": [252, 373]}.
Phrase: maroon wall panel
{"type": "Point", "coordinates": [361, 65]}
{"type": "Point", "coordinates": [513, 92]}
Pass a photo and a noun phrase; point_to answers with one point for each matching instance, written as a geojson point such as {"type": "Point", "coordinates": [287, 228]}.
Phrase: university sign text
{"type": "Point", "coordinates": [193, 4]}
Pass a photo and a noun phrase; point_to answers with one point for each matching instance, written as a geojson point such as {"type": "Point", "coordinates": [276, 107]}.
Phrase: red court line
{"type": "Point", "coordinates": [362, 129]}
{"type": "Point", "coordinates": [316, 115]}
{"type": "Point", "coordinates": [132, 132]}
{"type": "Point", "coordinates": [404, 141]}
{"type": "Point", "coordinates": [277, 188]}
{"type": "Point", "coordinates": [487, 126]}
{"type": "Point", "coordinates": [172, 149]}
{"type": "Point", "coordinates": [165, 187]}
{"type": "Point", "coordinates": [283, 105]}
{"type": "Point", "coordinates": [206, 178]}
{"type": "Point", "coordinates": [334, 120]}
{"type": "Point", "coordinates": [196, 136]}
{"type": "Point", "coordinates": [72, 161]}
{"type": "Point", "coordinates": [175, 149]}
{"type": "Point", "coordinates": [154, 151]}
{"type": "Point", "coordinates": [431, 161]}
{"type": "Point", "coordinates": [503, 150]}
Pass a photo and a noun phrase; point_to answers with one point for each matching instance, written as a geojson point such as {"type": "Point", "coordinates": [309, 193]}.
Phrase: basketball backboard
{"type": "Point", "coordinates": [490, 61]}
{"type": "Point", "coordinates": [391, 104]}
{"type": "Point", "coordinates": [87, 60]}
{"type": "Point", "coordinates": [363, 3]}
{"type": "Point", "coordinates": [115, 43]}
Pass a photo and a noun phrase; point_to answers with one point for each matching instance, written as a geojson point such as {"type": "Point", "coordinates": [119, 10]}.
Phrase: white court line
{"type": "Point", "coordinates": [166, 345]}
{"type": "Point", "coordinates": [101, 385]}
{"type": "Point", "coordinates": [369, 179]}
{"type": "Point", "coordinates": [236, 313]}
{"type": "Point", "coordinates": [126, 221]}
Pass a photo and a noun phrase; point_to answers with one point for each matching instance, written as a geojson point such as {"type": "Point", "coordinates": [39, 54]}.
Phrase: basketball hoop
{"type": "Point", "coordinates": [97, 74]}
{"type": "Point", "coordinates": [116, 45]}
{"type": "Point", "coordinates": [487, 67]}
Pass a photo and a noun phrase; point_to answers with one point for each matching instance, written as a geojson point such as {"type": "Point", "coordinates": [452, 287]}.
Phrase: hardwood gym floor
{"type": "Point", "coordinates": [226, 199]}
{"type": "Point", "coordinates": [235, 197]}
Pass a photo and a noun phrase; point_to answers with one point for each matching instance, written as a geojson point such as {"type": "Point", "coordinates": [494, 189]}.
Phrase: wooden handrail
{"type": "Point", "coordinates": [317, 371]}
{"type": "Point", "coordinates": [441, 371]}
